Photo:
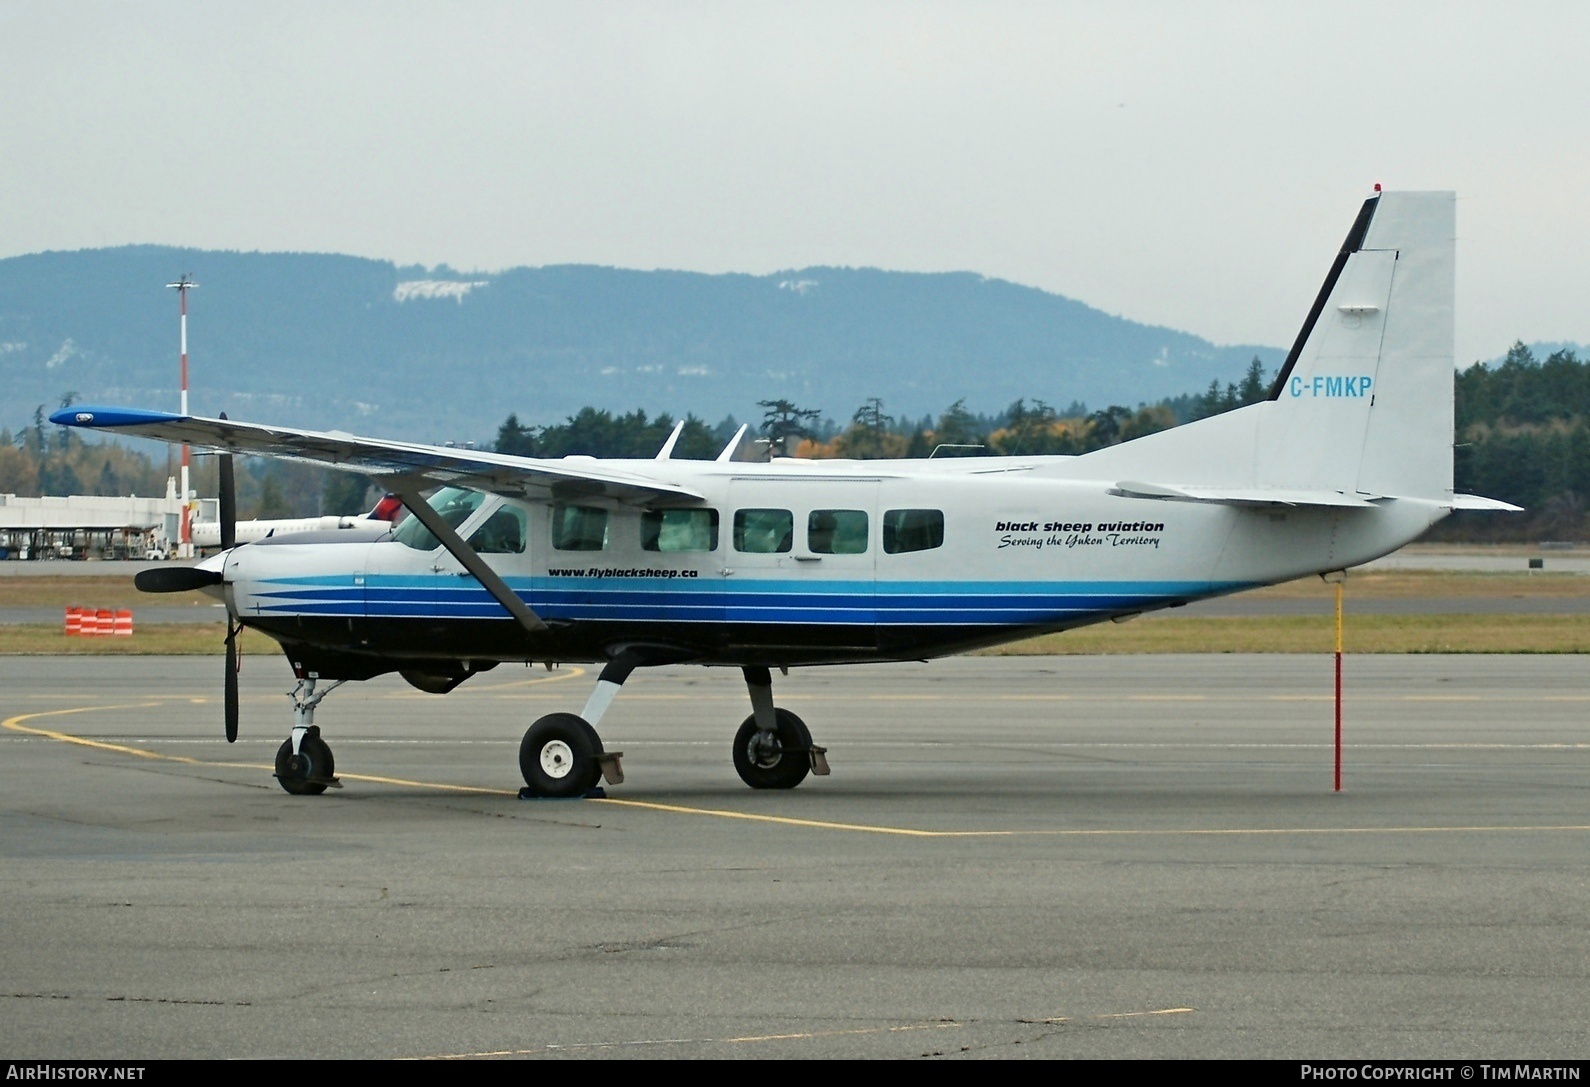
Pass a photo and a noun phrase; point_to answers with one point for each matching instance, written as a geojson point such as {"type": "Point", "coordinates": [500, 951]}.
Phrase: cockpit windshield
{"type": "Point", "coordinates": [453, 503]}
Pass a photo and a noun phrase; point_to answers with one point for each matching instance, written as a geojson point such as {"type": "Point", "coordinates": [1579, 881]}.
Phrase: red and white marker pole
{"type": "Point", "coordinates": [1339, 683]}
{"type": "Point", "coordinates": [185, 538]}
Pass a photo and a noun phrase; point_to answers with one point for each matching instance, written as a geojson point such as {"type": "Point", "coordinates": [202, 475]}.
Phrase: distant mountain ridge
{"type": "Point", "coordinates": [321, 340]}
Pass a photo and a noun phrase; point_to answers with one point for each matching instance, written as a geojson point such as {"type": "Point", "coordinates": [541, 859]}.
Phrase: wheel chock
{"type": "Point", "coordinates": [596, 793]}
{"type": "Point", "coordinates": [819, 761]}
{"type": "Point", "coordinates": [330, 783]}
{"type": "Point", "coordinates": [612, 768]}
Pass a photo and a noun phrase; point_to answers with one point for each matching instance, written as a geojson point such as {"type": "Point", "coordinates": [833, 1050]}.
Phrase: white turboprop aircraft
{"type": "Point", "coordinates": [208, 534]}
{"type": "Point", "coordinates": [791, 562]}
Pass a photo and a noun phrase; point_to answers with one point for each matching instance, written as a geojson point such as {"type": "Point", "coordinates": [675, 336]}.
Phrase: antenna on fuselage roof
{"type": "Point", "coordinates": [745, 449]}
{"type": "Point", "coordinates": [734, 443]}
{"type": "Point", "coordinates": [673, 439]}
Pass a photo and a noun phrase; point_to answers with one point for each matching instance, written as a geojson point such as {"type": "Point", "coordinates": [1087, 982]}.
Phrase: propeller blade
{"type": "Point", "coordinates": [228, 498]}
{"type": "Point", "coordinates": [231, 683]}
{"type": "Point", "coordinates": [178, 579]}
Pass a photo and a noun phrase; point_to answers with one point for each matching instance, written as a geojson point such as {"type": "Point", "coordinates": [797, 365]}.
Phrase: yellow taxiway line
{"type": "Point", "coordinates": [18, 724]}
{"type": "Point", "coordinates": [793, 1036]}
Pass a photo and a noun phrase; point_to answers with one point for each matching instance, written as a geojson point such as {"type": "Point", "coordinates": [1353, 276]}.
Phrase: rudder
{"type": "Point", "coordinates": [1364, 401]}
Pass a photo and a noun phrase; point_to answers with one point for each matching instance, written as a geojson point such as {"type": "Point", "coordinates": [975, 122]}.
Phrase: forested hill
{"type": "Point", "coordinates": [435, 354]}
{"type": "Point", "coordinates": [1523, 435]}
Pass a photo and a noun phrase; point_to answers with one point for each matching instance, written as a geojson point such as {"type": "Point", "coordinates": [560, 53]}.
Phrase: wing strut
{"type": "Point", "coordinates": [471, 561]}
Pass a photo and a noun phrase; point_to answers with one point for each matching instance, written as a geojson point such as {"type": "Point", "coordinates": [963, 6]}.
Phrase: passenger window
{"type": "Point", "coordinates": [452, 504]}
{"type": "Point", "coordinates": [763, 532]}
{"type": "Point", "coordinates": [502, 534]}
{"type": "Point", "coordinates": [837, 532]}
{"type": "Point", "coordinates": [679, 530]}
{"type": "Point", "coordinates": [912, 530]}
{"type": "Point", "coordinates": [579, 528]}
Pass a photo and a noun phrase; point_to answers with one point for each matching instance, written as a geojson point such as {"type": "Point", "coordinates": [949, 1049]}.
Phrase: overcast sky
{"type": "Point", "coordinates": [1192, 165]}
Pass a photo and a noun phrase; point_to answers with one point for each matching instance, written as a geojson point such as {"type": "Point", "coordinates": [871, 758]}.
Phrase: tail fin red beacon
{"type": "Point", "coordinates": [390, 508]}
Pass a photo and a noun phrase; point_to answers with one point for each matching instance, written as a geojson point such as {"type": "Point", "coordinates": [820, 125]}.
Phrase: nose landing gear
{"type": "Point", "coordinates": [310, 771]}
{"type": "Point", "coordinates": [304, 763]}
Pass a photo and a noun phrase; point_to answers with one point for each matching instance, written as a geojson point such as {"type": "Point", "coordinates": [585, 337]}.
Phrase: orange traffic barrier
{"type": "Point", "coordinates": [98, 622]}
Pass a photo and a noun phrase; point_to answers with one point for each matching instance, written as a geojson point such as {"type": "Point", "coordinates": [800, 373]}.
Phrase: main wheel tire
{"type": "Point", "coordinates": [558, 756]}
{"type": "Point", "coordinates": [314, 761]}
{"type": "Point", "coordinates": [779, 761]}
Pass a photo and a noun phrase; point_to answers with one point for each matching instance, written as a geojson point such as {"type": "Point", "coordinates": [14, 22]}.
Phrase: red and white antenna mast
{"type": "Point", "coordinates": [185, 550]}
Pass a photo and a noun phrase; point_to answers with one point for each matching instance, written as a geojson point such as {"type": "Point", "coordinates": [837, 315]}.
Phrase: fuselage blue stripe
{"type": "Point", "coordinates": [789, 601]}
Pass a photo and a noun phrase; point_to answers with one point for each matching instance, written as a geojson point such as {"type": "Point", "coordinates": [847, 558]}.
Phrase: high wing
{"type": "Point", "coordinates": [411, 462]}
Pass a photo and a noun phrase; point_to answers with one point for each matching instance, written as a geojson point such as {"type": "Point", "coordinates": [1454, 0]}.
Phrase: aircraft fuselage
{"type": "Point", "coordinates": [927, 560]}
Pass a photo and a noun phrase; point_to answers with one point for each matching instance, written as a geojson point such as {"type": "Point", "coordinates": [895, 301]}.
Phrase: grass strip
{"type": "Point", "coordinates": [1316, 634]}
{"type": "Point", "coordinates": [19, 591]}
{"type": "Point", "coordinates": [150, 640]}
{"type": "Point", "coordinates": [1255, 634]}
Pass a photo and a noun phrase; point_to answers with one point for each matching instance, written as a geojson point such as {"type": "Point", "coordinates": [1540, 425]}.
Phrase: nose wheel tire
{"type": "Point", "coordinates": [777, 760]}
{"type": "Point", "coordinates": [310, 771]}
{"type": "Point", "coordinates": [559, 756]}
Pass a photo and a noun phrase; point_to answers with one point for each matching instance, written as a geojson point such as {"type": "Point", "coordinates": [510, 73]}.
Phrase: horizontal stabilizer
{"type": "Point", "coordinates": [1245, 496]}
{"type": "Point", "coordinates": [1475, 502]}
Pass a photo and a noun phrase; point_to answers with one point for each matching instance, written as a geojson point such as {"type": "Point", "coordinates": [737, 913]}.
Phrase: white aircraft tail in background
{"type": "Point", "coordinates": [367, 526]}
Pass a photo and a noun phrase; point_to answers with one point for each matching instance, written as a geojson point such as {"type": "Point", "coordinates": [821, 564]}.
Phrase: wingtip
{"type": "Point", "coordinates": [85, 416]}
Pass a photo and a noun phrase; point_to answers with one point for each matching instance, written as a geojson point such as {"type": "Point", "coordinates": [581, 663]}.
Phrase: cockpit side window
{"type": "Point", "coordinates": [454, 504]}
{"type": "Point", "coordinates": [502, 534]}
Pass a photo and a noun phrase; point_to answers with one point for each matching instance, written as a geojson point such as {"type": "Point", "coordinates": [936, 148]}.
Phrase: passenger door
{"type": "Point", "coordinates": [800, 559]}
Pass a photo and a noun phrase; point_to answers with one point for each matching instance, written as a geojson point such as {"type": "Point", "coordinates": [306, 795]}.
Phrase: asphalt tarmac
{"type": "Point", "coordinates": [1013, 857]}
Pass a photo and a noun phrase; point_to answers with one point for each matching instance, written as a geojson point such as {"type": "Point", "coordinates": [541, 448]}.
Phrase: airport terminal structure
{"type": "Point", "coordinates": [90, 526]}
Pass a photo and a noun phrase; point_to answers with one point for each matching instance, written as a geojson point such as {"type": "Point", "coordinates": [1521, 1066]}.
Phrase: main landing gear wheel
{"type": "Point", "coordinates": [777, 760]}
{"type": "Point", "coordinates": [559, 756]}
{"type": "Point", "coordinates": [308, 772]}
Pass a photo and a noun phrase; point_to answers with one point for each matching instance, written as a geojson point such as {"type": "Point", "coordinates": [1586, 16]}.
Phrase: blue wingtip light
{"type": "Point", "coordinates": [108, 417]}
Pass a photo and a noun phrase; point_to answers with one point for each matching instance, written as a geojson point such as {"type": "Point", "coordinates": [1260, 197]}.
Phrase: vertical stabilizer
{"type": "Point", "coordinates": [1363, 405]}
{"type": "Point", "coordinates": [1364, 401]}
{"type": "Point", "coordinates": [1408, 444]}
